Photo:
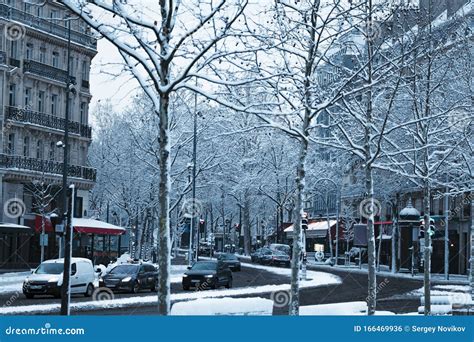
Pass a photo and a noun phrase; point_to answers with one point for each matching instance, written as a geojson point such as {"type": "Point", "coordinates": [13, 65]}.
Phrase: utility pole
{"type": "Point", "coordinates": [65, 288]}
{"type": "Point", "coordinates": [446, 231]}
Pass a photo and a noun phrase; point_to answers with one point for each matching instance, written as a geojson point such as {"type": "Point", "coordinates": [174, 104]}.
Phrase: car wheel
{"type": "Point", "coordinates": [135, 287]}
{"type": "Point", "coordinates": [89, 290]}
{"type": "Point", "coordinates": [229, 284]}
{"type": "Point", "coordinates": [239, 269]}
{"type": "Point", "coordinates": [29, 295]}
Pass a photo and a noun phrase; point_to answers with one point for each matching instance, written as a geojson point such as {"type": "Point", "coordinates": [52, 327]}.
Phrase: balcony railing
{"type": "Point", "coordinates": [14, 62]}
{"type": "Point", "coordinates": [46, 120]}
{"type": "Point", "coordinates": [47, 166]}
{"type": "Point", "coordinates": [46, 26]}
{"type": "Point", "coordinates": [46, 71]}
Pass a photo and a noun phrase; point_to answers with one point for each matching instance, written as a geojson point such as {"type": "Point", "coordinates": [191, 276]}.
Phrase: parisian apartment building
{"type": "Point", "coordinates": [33, 79]}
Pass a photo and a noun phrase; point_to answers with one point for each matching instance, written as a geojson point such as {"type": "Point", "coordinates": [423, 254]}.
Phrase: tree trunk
{"type": "Point", "coordinates": [297, 236]}
{"type": "Point", "coordinates": [163, 256]}
{"type": "Point", "coordinates": [427, 252]}
{"type": "Point", "coordinates": [246, 224]}
{"type": "Point", "coordinates": [372, 278]}
{"type": "Point", "coordinates": [471, 246]}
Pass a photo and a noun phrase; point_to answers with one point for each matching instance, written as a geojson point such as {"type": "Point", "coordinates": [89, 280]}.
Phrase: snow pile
{"type": "Point", "coordinates": [125, 258]}
{"type": "Point", "coordinates": [339, 309]}
{"type": "Point", "coordinates": [224, 306]}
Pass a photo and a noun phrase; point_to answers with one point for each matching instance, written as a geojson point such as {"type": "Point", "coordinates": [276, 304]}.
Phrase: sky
{"type": "Point", "coordinates": [105, 84]}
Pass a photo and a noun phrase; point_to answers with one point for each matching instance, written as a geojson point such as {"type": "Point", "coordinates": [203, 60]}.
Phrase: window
{"type": "Point", "coordinates": [27, 97]}
{"type": "Point", "coordinates": [41, 101]}
{"type": "Point", "coordinates": [39, 149]}
{"type": "Point", "coordinates": [14, 49]}
{"type": "Point", "coordinates": [85, 71]}
{"type": "Point", "coordinates": [83, 113]}
{"type": "Point", "coordinates": [29, 51]}
{"type": "Point", "coordinates": [27, 7]}
{"type": "Point", "coordinates": [39, 11]}
{"type": "Point", "coordinates": [12, 95]}
{"type": "Point", "coordinates": [55, 60]}
{"type": "Point", "coordinates": [72, 69]}
{"type": "Point", "coordinates": [52, 151]}
{"type": "Point", "coordinates": [78, 205]}
{"type": "Point", "coordinates": [26, 147]}
{"type": "Point", "coordinates": [11, 143]}
{"type": "Point", "coordinates": [42, 56]}
{"type": "Point", "coordinates": [54, 104]}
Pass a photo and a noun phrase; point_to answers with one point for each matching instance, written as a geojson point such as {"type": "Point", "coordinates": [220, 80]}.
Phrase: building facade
{"type": "Point", "coordinates": [33, 80]}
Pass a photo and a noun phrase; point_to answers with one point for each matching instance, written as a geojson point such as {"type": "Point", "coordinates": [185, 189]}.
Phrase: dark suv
{"type": "Point", "coordinates": [207, 274]}
{"type": "Point", "coordinates": [131, 277]}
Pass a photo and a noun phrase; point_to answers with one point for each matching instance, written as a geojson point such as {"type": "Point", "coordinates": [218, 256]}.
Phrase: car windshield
{"type": "Point", "coordinates": [227, 257]}
{"type": "Point", "coordinates": [199, 266]}
{"type": "Point", "coordinates": [50, 268]}
{"type": "Point", "coordinates": [124, 269]}
{"type": "Point", "coordinates": [279, 253]}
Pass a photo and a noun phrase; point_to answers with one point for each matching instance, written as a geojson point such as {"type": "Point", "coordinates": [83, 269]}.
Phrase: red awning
{"type": "Point", "coordinates": [383, 222]}
{"type": "Point", "coordinates": [81, 225]}
{"type": "Point", "coordinates": [90, 226]}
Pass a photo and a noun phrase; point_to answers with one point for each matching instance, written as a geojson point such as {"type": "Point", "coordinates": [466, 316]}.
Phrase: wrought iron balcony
{"type": "Point", "coordinates": [46, 26]}
{"type": "Point", "coordinates": [48, 166]}
{"type": "Point", "coordinates": [46, 71]}
{"type": "Point", "coordinates": [46, 120]}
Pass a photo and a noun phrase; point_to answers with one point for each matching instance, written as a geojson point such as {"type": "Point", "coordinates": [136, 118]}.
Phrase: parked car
{"type": "Point", "coordinates": [255, 254]}
{"type": "Point", "coordinates": [131, 278]}
{"type": "Point", "coordinates": [274, 258]}
{"type": "Point", "coordinates": [204, 274]}
{"type": "Point", "coordinates": [231, 260]}
{"type": "Point", "coordinates": [47, 278]}
{"type": "Point", "coordinates": [259, 255]}
{"type": "Point", "coordinates": [264, 255]}
{"type": "Point", "coordinates": [281, 248]}
{"type": "Point", "coordinates": [277, 258]}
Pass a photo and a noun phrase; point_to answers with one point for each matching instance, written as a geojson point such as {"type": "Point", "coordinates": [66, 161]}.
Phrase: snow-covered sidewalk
{"type": "Point", "coordinates": [12, 282]}
{"type": "Point", "coordinates": [454, 279]}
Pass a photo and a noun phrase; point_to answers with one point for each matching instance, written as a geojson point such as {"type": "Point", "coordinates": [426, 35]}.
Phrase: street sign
{"type": "Point", "coordinates": [60, 228]}
{"type": "Point", "coordinates": [360, 235]}
{"type": "Point", "coordinates": [44, 240]}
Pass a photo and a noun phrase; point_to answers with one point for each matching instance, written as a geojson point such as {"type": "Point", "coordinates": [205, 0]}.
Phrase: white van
{"type": "Point", "coordinates": [48, 277]}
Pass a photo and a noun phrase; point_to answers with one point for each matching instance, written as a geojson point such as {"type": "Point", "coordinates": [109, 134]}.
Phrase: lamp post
{"type": "Point", "coordinates": [65, 288]}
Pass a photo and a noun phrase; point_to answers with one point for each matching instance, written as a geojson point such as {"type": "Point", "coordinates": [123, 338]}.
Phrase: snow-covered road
{"type": "Point", "coordinates": [315, 279]}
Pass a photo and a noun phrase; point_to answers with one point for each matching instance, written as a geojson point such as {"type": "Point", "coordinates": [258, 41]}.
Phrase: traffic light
{"type": "Point", "coordinates": [304, 223]}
